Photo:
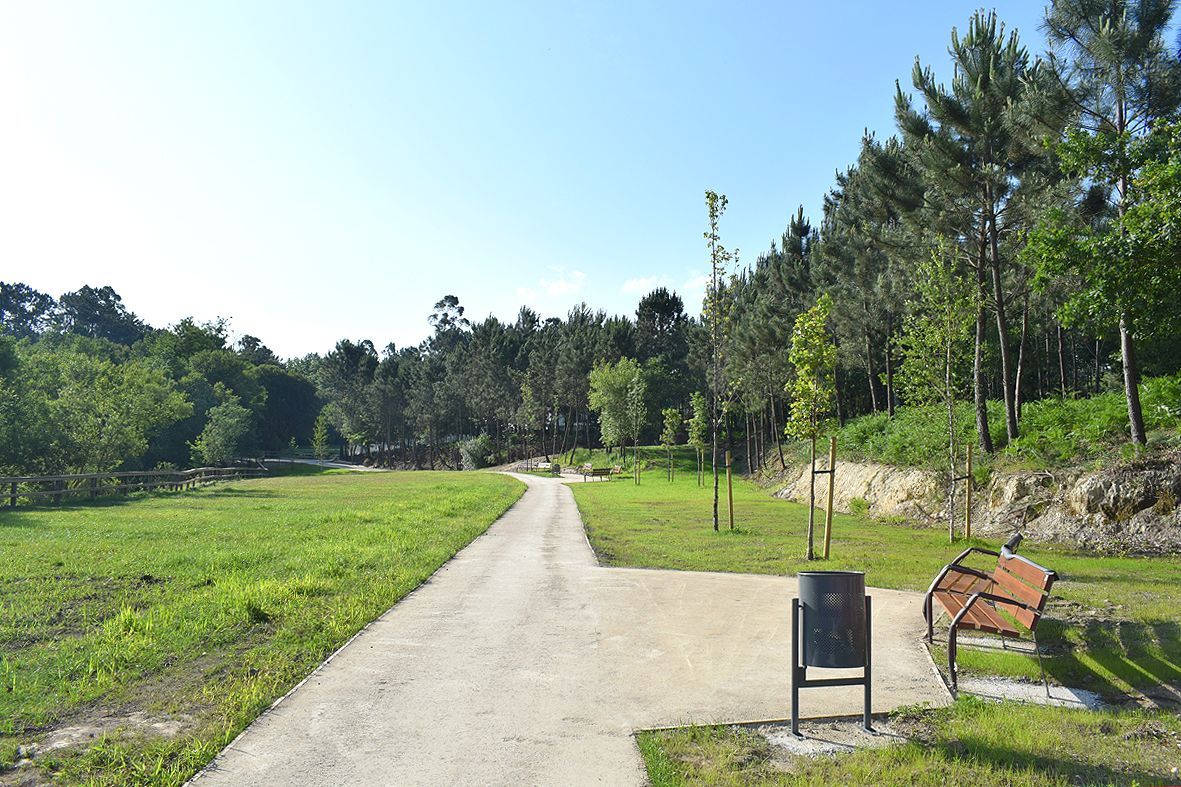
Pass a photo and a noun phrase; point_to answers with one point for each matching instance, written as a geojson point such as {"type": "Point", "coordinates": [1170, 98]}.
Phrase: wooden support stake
{"type": "Point", "coordinates": [832, 479]}
{"type": "Point", "coordinates": [730, 490]}
{"type": "Point", "coordinates": [968, 495]}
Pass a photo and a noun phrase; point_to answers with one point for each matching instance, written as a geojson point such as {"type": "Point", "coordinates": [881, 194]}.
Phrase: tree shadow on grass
{"type": "Point", "coordinates": [1077, 771]}
{"type": "Point", "coordinates": [1135, 654]}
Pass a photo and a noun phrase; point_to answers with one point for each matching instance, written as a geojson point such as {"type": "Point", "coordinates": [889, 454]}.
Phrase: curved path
{"type": "Point", "coordinates": [522, 661]}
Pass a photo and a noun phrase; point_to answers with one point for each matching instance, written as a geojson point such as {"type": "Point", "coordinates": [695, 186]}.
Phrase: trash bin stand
{"type": "Point", "coordinates": [799, 671]}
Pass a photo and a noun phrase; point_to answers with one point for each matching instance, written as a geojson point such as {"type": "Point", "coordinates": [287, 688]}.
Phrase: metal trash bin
{"type": "Point", "coordinates": [830, 629]}
{"type": "Point", "coordinates": [834, 617]}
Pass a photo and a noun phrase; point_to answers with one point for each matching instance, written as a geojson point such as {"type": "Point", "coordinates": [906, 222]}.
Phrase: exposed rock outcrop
{"type": "Point", "coordinates": [1129, 508]}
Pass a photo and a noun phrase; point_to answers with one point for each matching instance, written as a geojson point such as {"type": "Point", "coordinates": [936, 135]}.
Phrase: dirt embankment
{"type": "Point", "coordinates": [1129, 508]}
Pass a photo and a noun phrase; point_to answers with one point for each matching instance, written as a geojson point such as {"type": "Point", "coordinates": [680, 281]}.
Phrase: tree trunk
{"type": "Point", "coordinates": [1002, 329]}
{"type": "Point", "coordinates": [714, 460]}
{"type": "Point", "coordinates": [776, 435]}
{"type": "Point", "coordinates": [949, 394]}
{"type": "Point", "coordinates": [749, 456]}
{"type": "Point", "coordinates": [1098, 353]}
{"type": "Point", "coordinates": [889, 368]}
{"type": "Point", "coordinates": [1127, 344]}
{"type": "Point", "coordinates": [1021, 352]}
{"type": "Point", "coordinates": [1131, 381]}
{"type": "Point", "coordinates": [566, 430]}
{"type": "Point", "coordinates": [873, 389]}
{"type": "Point", "coordinates": [836, 390]}
{"type": "Point", "coordinates": [1061, 361]}
{"type": "Point", "coordinates": [811, 554]}
{"type": "Point", "coordinates": [978, 392]}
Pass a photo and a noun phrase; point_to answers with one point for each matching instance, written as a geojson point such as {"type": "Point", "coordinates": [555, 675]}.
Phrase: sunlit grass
{"type": "Point", "coordinates": [1112, 624]}
{"type": "Point", "coordinates": [972, 742]}
{"type": "Point", "coordinates": [202, 608]}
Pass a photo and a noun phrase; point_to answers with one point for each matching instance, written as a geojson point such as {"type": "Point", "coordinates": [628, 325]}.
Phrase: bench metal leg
{"type": "Point", "coordinates": [929, 616]}
{"type": "Point", "coordinates": [951, 632]}
{"type": "Point", "coordinates": [1037, 648]}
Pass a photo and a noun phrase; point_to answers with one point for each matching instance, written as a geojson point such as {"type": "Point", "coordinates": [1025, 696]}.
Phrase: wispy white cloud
{"type": "Point", "coordinates": [567, 283]}
{"type": "Point", "coordinates": [644, 284]}
{"type": "Point", "coordinates": [553, 293]}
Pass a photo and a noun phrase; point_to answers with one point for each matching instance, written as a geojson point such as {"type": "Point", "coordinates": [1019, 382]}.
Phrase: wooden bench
{"type": "Point", "coordinates": [1013, 594]}
{"type": "Point", "coordinates": [595, 472]}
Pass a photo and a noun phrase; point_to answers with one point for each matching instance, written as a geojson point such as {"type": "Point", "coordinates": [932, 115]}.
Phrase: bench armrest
{"type": "Point", "coordinates": [957, 568]}
{"type": "Point", "coordinates": [970, 550]}
{"type": "Point", "coordinates": [1004, 600]}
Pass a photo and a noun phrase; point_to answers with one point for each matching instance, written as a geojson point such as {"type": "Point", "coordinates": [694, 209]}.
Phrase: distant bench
{"type": "Point", "coordinates": [588, 471]}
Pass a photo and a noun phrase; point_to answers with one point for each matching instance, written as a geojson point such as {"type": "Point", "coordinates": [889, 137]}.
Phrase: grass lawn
{"type": "Point", "coordinates": [970, 743]}
{"type": "Point", "coordinates": [1112, 627]}
{"type": "Point", "coordinates": [1113, 624]}
{"type": "Point", "coordinates": [162, 625]}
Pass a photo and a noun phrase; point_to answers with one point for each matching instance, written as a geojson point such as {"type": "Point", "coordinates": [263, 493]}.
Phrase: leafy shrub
{"type": "Point", "coordinates": [1053, 431]}
{"type": "Point", "coordinates": [477, 452]}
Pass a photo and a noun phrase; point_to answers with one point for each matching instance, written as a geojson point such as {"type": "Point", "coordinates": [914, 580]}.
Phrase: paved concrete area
{"type": "Point", "coordinates": [524, 662]}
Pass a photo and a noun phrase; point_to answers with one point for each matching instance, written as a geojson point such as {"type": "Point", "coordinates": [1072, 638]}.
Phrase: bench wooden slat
{"type": "Point", "coordinates": [1031, 573]}
{"type": "Point", "coordinates": [981, 616]}
{"type": "Point", "coordinates": [961, 582]}
{"type": "Point", "coordinates": [1013, 585]}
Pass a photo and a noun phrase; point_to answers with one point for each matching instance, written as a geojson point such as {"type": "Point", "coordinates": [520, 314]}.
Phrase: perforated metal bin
{"type": "Point", "coordinates": [831, 628]}
{"type": "Point", "coordinates": [834, 618]}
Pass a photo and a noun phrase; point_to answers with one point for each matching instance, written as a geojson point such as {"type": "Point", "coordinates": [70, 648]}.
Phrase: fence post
{"type": "Point", "coordinates": [94, 487]}
{"type": "Point", "coordinates": [57, 488]}
{"type": "Point", "coordinates": [832, 480]}
{"type": "Point", "coordinates": [12, 496]}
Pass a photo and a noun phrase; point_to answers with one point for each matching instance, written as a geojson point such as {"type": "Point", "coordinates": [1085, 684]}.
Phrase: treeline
{"type": "Point", "coordinates": [86, 386]}
{"type": "Point", "coordinates": [1046, 188]}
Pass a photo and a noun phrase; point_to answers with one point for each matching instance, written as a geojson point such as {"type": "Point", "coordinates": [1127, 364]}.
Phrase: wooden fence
{"type": "Point", "coordinates": [31, 489]}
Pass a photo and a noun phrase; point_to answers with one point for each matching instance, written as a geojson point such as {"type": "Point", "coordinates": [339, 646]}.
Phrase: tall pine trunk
{"type": "Point", "coordinates": [1131, 382]}
{"type": "Point", "coordinates": [873, 389]}
{"type": "Point", "coordinates": [890, 366]}
{"type": "Point", "coordinates": [1061, 361]}
{"type": "Point", "coordinates": [1002, 328]}
{"type": "Point", "coordinates": [1127, 344]}
{"type": "Point", "coordinates": [978, 393]}
{"type": "Point", "coordinates": [1021, 349]}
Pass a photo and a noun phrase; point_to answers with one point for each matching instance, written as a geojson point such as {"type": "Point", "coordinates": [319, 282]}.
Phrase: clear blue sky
{"type": "Point", "coordinates": [324, 170]}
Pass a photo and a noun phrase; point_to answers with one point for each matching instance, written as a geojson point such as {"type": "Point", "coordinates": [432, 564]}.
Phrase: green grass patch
{"type": "Point", "coordinates": [1112, 624]}
{"type": "Point", "coordinates": [971, 742]}
{"type": "Point", "coordinates": [197, 610]}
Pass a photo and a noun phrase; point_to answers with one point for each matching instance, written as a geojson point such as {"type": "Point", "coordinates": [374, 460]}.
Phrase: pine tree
{"type": "Point", "coordinates": [1110, 58]}
{"type": "Point", "coordinates": [973, 154]}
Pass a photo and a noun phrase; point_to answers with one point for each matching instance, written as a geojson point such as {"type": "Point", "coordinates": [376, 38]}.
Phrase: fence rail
{"type": "Point", "coordinates": [32, 488]}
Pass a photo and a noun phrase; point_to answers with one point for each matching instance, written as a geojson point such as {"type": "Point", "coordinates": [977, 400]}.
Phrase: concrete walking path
{"type": "Point", "coordinates": [522, 661]}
